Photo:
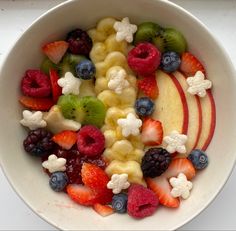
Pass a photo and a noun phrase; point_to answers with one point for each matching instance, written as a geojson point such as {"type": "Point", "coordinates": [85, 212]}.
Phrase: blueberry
{"type": "Point", "coordinates": [170, 61]}
{"type": "Point", "coordinates": [198, 158]}
{"type": "Point", "coordinates": [119, 202]}
{"type": "Point", "coordinates": [144, 106]}
{"type": "Point", "coordinates": [85, 69]}
{"type": "Point", "coordinates": [58, 181]}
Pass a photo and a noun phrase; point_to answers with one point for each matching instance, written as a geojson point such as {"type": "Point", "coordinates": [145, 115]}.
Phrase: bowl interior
{"type": "Point", "coordinates": [25, 172]}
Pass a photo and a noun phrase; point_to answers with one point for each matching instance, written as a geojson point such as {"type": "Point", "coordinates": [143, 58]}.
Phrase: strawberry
{"type": "Point", "coordinates": [152, 132]}
{"type": "Point", "coordinates": [160, 185]}
{"type": "Point", "coordinates": [82, 194]}
{"type": "Point", "coordinates": [65, 139]}
{"type": "Point", "coordinates": [190, 64]}
{"type": "Point", "coordinates": [148, 86]}
{"type": "Point", "coordinates": [55, 50]}
{"type": "Point", "coordinates": [103, 210]}
{"type": "Point", "coordinates": [94, 177]}
{"type": "Point", "coordinates": [179, 165]}
{"type": "Point", "coordinates": [37, 104]}
{"type": "Point", "coordinates": [56, 89]}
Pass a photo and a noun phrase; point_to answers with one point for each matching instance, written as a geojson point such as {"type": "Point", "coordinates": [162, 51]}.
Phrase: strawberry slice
{"type": "Point", "coordinates": [160, 185]}
{"type": "Point", "coordinates": [82, 194]}
{"type": "Point", "coordinates": [148, 86]}
{"type": "Point", "coordinates": [55, 50]}
{"type": "Point", "coordinates": [190, 64]}
{"type": "Point", "coordinates": [65, 139]}
{"type": "Point", "coordinates": [94, 177]}
{"type": "Point", "coordinates": [103, 210]}
{"type": "Point", "coordinates": [179, 165]}
{"type": "Point", "coordinates": [152, 132]}
{"type": "Point", "coordinates": [37, 104]}
{"type": "Point", "coordinates": [56, 89]}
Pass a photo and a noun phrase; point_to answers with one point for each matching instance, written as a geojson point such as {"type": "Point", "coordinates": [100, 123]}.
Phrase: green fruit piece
{"type": "Point", "coordinates": [69, 63]}
{"type": "Point", "coordinates": [94, 111]}
{"type": "Point", "coordinates": [46, 65]}
{"type": "Point", "coordinates": [146, 32]}
{"type": "Point", "coordinates": [71, 107]}
{"type": "Point", "coordinates": [170, 39]}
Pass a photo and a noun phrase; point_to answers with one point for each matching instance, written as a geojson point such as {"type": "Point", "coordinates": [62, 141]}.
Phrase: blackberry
{"type": "Point", "coordinates": [79, 42]}
{"type": "Point", "coordinates": [38, 142]}
{"type": "Point", "coordinates": [155, 162]}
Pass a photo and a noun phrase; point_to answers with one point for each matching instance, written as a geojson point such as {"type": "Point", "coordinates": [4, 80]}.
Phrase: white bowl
{"type": "Point", "coordinates": [25, 172]}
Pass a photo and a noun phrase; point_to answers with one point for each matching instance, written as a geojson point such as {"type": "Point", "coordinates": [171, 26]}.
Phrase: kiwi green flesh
{"type": "Point", "coordinates": [71, 108]}
{"type": "Point", "coordinates": [94, 111]}
{"type": "Point", "coordinates": [170, 40]}
{"type": "Point", "coordinates": [69, 63]}
{"type": "Point", "coordinates": [46, 65]}
{"type": "Point", "coordinates": [146, 32]}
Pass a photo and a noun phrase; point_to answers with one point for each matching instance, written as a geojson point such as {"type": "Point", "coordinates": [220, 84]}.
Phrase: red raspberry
{"type": "Point", "coordinates": [79, 42]}
{"type": "Point", "coordinates": [144, 59]}
{"type": "Point", "coordinates": [36, 84]}
{"type": "Point", "coordinates": [142, 202]}
{"type": "Point", "coordinates": [90, 141]}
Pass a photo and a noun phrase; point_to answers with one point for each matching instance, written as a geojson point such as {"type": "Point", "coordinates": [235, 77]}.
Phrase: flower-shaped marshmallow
{"type": "Point", "coordinates": [125, 30]}
{"type": "Point", "coordinates": [198, 84]}
{"type": "Point", "coordinates": [54, 164]}
{"type": "Point", "coordinates": [175, 142]}
{"type": "Point", "coordinates": [33, 120]}
{"type": "Point", "coordinates": [69, 84]}
{"type": "Point", "coordinates": [117, 81]}
{"type": "Point", "coordinates": [130, 125]}
{"type": "Point", "coordinates": [118, 182]}
{"type": "Point", "coordinates": [181, 186]}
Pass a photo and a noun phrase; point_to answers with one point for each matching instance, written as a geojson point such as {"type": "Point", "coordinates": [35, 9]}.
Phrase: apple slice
{"type": "Point", "coordinates": [171, 106]}
{"type": "Point", "coordinates": [208, 120]}
{"type": "Point", "coordinates": [195, 114]}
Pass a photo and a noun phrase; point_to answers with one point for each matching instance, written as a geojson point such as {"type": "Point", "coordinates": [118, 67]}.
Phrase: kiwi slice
{"type": "Point", "coordinates": [70, 107]}
{"type": "Point", "coordinates": [170, 39]}
{"type": "Point", "coordinates": [69, 63]}
{"type": "Point", "coordinates": [86, 110]}
{"type": "Point", "coordinates": [94, 111]}
{"type": "Point", "coordinates": [146, 32]}
{"type": "Point", "coordinates": [46, 65]}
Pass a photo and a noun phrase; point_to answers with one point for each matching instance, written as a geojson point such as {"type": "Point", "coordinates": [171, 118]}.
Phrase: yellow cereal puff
{"type": "Point", "coordinates": [123, 150]}
{"type": "Point", "coordinates": [109, 98]}
{"type": "Point", "coordinates": [103, 30]}
{"type": "Point", "coordinates": [100, 84]}
{"type": "Point", "coordinates": [113, 45]}
{"type": "Point", "coordinates": [114, 58]}
{"type": "Point", "coordinates": [98, 52]}
{"type": "Point", "coordinates": [132, 81]}
{"type": "Point", "coordinates": [132, 168]}
{"type": "Point", "coordinates": [128, 97]}
{"type": "Point", "coordinates": [110, 138]}
{"type": "Point", "coordinates": [136, 141]}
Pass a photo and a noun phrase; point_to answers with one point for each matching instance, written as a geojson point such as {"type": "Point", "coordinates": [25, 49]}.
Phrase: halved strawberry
{"type": "Point", "coordinates": [65, 139]}
{"type": "Point", "coordinates": [190, 64]}
{"type": "Point", "coordinates": [56, 89]}
{"type": "Point", "coordinates": [37, 104]}
{"type": "Point", "coordinates": [152, 132]}
{"type": "Point", "coordinates": [181, 165]}
{"type": "Point", "coordinates": [103, 210]}
{"type": "Point", "coordinates": [161, 187]}
{"type": "Point", "coordinates": [94, 177]}
{"type": "Point", "coordinates": [82, 194]}
{"type": "Point", "coordinates": [148, 86]}
{"type": "Point", "coordinates": [55, 50]}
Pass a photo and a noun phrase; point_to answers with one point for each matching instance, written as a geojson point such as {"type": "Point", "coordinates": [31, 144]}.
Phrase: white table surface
{"type": "Point", "coordinates": [218, 15]}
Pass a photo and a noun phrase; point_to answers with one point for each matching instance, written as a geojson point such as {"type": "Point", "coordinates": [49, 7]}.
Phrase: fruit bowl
{"type": "Point", "coordinates": [25, 173]}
